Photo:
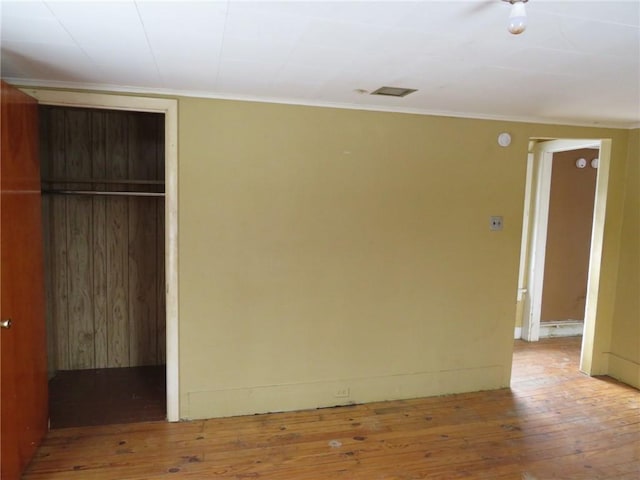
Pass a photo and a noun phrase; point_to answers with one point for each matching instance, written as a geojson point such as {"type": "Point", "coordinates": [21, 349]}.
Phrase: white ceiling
{"type": "Point", "coordinates": [578, 62]}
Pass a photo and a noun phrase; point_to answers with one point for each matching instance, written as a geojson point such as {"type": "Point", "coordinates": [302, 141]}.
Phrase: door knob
{"type": "Point", "coordinates": [5, 323]}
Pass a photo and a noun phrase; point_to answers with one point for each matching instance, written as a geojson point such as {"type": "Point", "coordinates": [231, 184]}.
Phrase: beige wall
{"type": "Point", "coordinates": [624, 360]}
{"type": "Point", "coordinates": [570, 221]}
{"type": "Point", "coordinates": [323, 250]}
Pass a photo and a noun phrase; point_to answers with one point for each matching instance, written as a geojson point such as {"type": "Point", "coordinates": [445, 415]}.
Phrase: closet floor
{"type": "Point", "coordinates": [107, 396]}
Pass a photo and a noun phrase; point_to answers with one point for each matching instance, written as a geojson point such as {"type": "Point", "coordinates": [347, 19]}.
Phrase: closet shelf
{"type": "Point", "coordinates": [48, 183]}
{"type": "Point", "coordinates": [102, 193]}
{"type": "Point", "coordinates": [111, 181]}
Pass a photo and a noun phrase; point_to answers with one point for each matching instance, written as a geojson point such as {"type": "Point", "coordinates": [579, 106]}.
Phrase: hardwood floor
{"type": "Point", "coordinates": [103, 396]}
{"type": "Point", "coordinates": [554, 423]}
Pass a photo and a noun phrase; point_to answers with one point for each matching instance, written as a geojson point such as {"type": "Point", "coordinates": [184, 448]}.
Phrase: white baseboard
{"type": "Point", "coordinates": [517, 333]}
{"type": "Point", "coordinates": [562, 328]}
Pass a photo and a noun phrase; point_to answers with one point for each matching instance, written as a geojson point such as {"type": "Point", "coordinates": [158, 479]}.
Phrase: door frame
{"type": "Point", "coordinates": [168, 107]}
{"type": "Point", "coordinates": [536, 214]}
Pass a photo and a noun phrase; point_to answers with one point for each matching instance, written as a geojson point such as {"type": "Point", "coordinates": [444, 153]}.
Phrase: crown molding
{"type": "Point", "coordinates": [136, 90]}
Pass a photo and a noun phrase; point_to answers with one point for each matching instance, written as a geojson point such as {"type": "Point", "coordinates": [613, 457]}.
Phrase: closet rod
{"type": "Point", "coordinates": [103, 180]}
{"type": "Point", "coordinates": [103, 193]}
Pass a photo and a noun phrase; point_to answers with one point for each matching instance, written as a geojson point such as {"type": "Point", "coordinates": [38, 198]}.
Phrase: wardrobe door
{"type": "Point", "coordinates": [23, 353]}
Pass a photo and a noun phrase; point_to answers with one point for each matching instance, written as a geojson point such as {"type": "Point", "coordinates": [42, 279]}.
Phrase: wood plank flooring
{"type": "Point", "coordinates": [104, 396]}
{"type": "Point", "coordinates": [554, 423]}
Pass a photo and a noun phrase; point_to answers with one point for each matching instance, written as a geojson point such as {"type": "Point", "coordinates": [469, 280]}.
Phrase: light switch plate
{"type": "Point", "coordinates": [495, 223]}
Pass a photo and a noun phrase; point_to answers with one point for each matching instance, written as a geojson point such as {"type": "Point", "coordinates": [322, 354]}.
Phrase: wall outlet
{"type": "Point", "coordinates": [343, 392]}
{"type": "Point", "coordinates": [495, 223]}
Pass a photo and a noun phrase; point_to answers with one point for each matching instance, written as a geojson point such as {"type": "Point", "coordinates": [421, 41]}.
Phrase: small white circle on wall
{"type": "Point", "coordinates": [504, 139]}
{"type": "Point", "coordinates": [581, 163]}
{"type": "Point", "coordinates": [595, 162]}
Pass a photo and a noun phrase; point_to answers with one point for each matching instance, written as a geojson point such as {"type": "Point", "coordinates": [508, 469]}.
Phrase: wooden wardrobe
{"type": "Point", "coordinates": [103, 214]}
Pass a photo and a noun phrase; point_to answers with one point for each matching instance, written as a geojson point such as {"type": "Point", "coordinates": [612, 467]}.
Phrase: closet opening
{"type": "Point", "coordinates": [103, 177]}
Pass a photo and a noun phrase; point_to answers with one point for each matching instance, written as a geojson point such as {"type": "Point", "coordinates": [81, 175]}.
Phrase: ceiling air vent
{"type": "Point", "coordinates": [394, 91]}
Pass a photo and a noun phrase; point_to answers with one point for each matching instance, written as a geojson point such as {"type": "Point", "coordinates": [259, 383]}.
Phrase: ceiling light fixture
{"type": "Point", "coordinates": [517, 17]}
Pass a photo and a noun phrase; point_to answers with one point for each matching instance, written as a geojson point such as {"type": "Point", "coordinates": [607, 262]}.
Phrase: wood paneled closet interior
{"type": "Point", "coordinates": [103, 216]}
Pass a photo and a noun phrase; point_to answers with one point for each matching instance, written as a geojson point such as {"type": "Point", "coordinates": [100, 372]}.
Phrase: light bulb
{"type": "Point", "coordinates": [517, 17]}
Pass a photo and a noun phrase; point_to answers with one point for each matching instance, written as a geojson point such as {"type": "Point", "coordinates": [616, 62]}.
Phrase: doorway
{"type": "Point", "coordinates": [535, 232]}
{"type": "Point", "coordinates": [103, 212]}
{"type": "Point", "coordinates": [570, 220]}
{"type": "Point", "coordinates": [169, 108]}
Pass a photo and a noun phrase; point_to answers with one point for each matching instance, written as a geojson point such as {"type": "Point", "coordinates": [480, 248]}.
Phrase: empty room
{"type": "Point", "coordinates": [318, 240]}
